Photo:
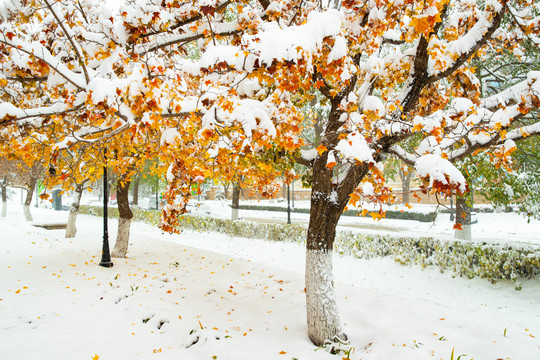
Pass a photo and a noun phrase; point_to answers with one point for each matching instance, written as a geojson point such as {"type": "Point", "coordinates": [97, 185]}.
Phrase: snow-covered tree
{"type": "Point", "coordinates": [82, 78]}
{"type": "Point", "coordinates": [389, 71]}
{"type": "Point", "coordinates": [225, 83]}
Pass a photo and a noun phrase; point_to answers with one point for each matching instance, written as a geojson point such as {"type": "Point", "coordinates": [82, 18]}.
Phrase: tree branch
{"type": "Point", "coordinates": [185, 22]}
{"type": "Point", "coordinates": [466, 56]}
{"type": "Point", "coordinates": [39, 114]}
{"type": "Point", "coordinates": [71, 41]}
{"type": "Point", "coordinates": [42, 58]}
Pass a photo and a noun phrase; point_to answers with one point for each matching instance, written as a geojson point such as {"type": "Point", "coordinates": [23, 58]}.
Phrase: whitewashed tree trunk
{"type": "Point", "coordinates": [71, 229]}
{"type": "Point", "coordinates": [463, 218]}
{"type": "Point", "coordinates": [3, 185]}
{"type": "Point", "coordinates": [327, 203]}
{"type": "Point", "coordinates": [322, 310]}
{"type": "Point", "coordinates": [122, 239]}
{"type": "Point", "coordinates": [28, 200]}
{"type": "Point", "coordinates": [124, 220]}
{"type": "Point", "coordinates": [27, 214]}
{"type": "Point", "coordinates": [464, 234]}
{"type": "Point", "coordinates": [235, 202]}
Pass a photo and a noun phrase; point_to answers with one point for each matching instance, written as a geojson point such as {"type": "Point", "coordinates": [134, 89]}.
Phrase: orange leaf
{"type": "Point", "coordinates": [458, 226]}
{"type": "Point", "coordinates": [425, 23]}
{"type": "Point", "coordinates": [330, 165]}
{"type": "Point", "coordinates": [282, 352]}
{"type": "Point", "coordinates": [321, 149]}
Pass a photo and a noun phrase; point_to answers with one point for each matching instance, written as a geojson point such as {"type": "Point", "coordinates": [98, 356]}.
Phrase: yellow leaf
{"type": "Point", "coordinates": [425, 23]}
{"type": "Point", "coordinates": [95, 357]}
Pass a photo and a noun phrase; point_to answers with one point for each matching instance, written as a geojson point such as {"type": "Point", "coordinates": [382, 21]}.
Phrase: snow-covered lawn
{"type": "Point", "coordinates": [209, 296]}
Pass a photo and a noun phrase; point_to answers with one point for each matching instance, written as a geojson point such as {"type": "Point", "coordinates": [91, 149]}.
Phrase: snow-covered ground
{"type": "Point", "coordinates": [210, 296]}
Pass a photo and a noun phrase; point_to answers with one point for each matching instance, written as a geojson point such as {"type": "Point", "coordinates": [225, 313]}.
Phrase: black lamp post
{"type": "Point", "coordinates": [157, 191]}
{"type": "Point", "coordinates": [292, 191]}
{"type": "Point", "coordinates": [105, 254]}
{"type": "Point", "coordinates": [288, 204]}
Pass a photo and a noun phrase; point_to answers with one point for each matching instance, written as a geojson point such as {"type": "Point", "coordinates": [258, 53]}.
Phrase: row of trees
{"type": "Point", "coordinates": [219, 89]}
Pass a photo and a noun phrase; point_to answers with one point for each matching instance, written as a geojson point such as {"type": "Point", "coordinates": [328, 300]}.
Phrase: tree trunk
{"type": "Point", "coordinates": [328, 199]}
{"type": "Point", "coordinates": [136, 183]}
{"type": "Point", "coordinates": [463, 219]}
{"type": "Point", "coordinates": [226, 190]}
{"type": "Point", "coordinates": [71, 229]}
{"type": "Point", "coordinates": [235, 201]}
{"type": "Point", "coordinates": [28, 200]}
{"type": "Point", "coordinates": [124, 220]}
{"type": "Point", "coordinates": [322, 311]}
{"type": "Point", "coordinates": [405, 186]}
{"type": "Point", "coordinates": [100, 190]}
{"type": "Point", "coordinates": [4, 196]}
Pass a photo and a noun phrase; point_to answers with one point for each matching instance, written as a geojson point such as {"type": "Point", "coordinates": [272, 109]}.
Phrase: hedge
{"type": "Point", "coordinates": [464, 258]}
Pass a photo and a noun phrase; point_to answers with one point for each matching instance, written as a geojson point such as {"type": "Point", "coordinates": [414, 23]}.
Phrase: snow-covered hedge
{"type": "Point", "coordinates": [463, 258]}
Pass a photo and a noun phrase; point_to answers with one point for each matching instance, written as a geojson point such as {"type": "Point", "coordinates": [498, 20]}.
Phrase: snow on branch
{"type": "Point", "coordinates": [70, 36]}
{"type": "Point", "coordinates": [275, 43]}
{"type": "Point", "coordinates": [526, 89]}
{"type": "Point", "coordinates": [440, 171]}
{"type": "Point", "coordinates": [463, 48]}
{"type": "Point", "coordinates": [41, 53]}
{"type": "Point", "coordinates": [10, 113]}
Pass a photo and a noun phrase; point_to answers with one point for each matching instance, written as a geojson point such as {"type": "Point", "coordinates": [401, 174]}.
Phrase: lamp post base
{"type": "Point", "coordinates": [106, 264]}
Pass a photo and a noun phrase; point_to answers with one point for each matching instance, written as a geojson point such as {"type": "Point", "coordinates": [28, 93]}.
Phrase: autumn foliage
{"type": "Point", "coordinates": [222, 90]}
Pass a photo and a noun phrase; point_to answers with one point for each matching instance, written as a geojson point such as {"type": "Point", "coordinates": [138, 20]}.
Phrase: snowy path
{"type": "Point", "coordinates": [56, 303]}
